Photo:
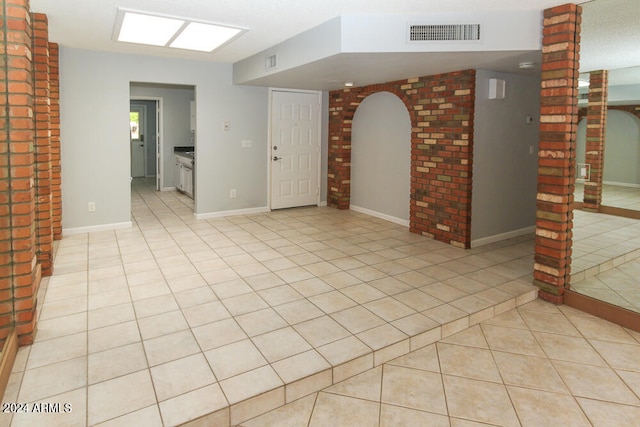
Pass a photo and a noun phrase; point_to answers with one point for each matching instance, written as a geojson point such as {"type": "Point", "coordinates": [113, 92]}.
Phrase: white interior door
{"type": "Point", "coordinates": [295, 149]}
{"type": "Point", "coordinates": [137, 121]}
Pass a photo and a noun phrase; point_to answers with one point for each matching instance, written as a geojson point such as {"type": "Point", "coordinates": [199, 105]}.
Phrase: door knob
{"type": "Point", "coordinates": [276, 158]}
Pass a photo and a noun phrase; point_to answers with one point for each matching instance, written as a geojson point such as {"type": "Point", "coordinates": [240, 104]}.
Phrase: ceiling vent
{"type": "Point", "coordinates": [270, 62]}
{"type": "Point", "coordinates": [450, 32]}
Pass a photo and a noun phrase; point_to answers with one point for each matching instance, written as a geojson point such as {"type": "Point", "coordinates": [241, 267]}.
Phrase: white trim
{"type": "Point", "coordinates": [621, 184]}
{"type": "Point", "coordinates": [96, 228]}
{"type": "Point", "coordinates": [223, 214]}
{"type": "Point", "coordinates": [159, 131]}
{"type": "Point", "coordinates": [395, 220]}
{"type": "Point", "coordinates": [322, 204]}
{"type": "Point", "coordinates": [168, 189]}
{"type": "Point", "coordinates": [270, 141]}
{"type": "Point", "coordinates": [503, 236]}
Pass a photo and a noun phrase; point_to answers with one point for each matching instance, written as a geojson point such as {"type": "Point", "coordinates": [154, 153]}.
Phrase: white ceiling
{"type": "Point", "coordinates": [610, 34]}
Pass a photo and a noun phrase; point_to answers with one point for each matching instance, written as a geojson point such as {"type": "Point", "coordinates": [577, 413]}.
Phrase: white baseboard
{"type": "Point", "coordinates": [222, 214]}
{"type": "Point", "coordinates": [380, 215]}
{"type": "Point", "coordinates": [322, 204]}
{"type": "Point", "coordinates": [503, 236]}
{"type": "Point", "coordinates": [168, 189]}
{"type": "Point", "coordinates": [621, 184]}
{"type": "Point", "coordinates": [96, 228]}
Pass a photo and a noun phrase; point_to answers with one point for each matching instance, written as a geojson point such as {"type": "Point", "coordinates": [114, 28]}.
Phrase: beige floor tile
{"type": "Point", "coordinates": [528, 404]}
{"type": "Point", "coordinates": [234, 359]}
{"type": "Point", "coordinates": [389, 309]}
{"type": "Point", "coordinates": [202, 314]}
{"type": "Point", "coordinates": [362, 293]}
{"type": "Point", "coordinates": [311, 287]}
{"type": "Point", "coordinates": [445, 313]}
{"type": "Point", "coordinates": [391, 416]}
{"type": "Point", "coordinates": [425, 359]}
{"type": "Point", "coordinates": [415, 389]}
{"type": "Point", "coordinates": [321, 331]}
{"type": "Point", "coordinates": [367, 385]}
{"type": "Point", "coordinates": [603, 414]}
{"type": "Point", "coordinates": [528, 371]}
{"type": "Point", "coordinates": [260, 322]}
{"type": "Point", "coordinates": [231, 288]}
{"type": "Point", "coordinates": [148, 416]}
{"type": "Point", "coordinates": [250, 384]}
{"type": "Point", "coordinates": [113, 336]}
{"type": "Point", "coordinates": [216, 334]}
{"type": "Point", "coordinates": [300, 366]}
{"type": "Point", "coordinates": [332, 302]}
{"type": "Point", "coordinates": [181, 376]}
{"type": "Point", "coordinates": [418, 300]}
{"type": "Point", "coordinates": [280, 295]}
{"type": "Point", "coordinates": [295, 414]}
{"type": "Point", "coordinates": [479, 401]}
{"type": "Point", "coordinates": [196, 296]}
{"type": "Point", "coordinates": [570, 349]}
{"type": "Point", "coordinates": [595, 382]}
{"type": "Point", "coordinates": [64, 307]}
{"type": "Point", "coordinates": [472, 337]}
{"type": "Point", "coordinates": [390, 286]}
{"type": "Point", "coordinates": [154, 306]}
{"type": "Point", "coordinates": [298, 311]}
{"type": "Point", "coordinates": [72, 411]}
{"type": "Point", "coordinates": [415, 324]}
{"type": "Point", "coordinates": [619, 356]}
{"type": "Point", "coordinates": [344, 350]}
{"type": "Point", "coordinates": [116, 362]}
{"type": "Point", "coordinates": [50, 380]}
{"type": "Point", "coordinates": [444, 292]}
{"type": "Point", "coordinates": [469, 362]}
{"type": "Point", "coordinates": [170, 347]}
{"type": "Point", "coordinates": [280, 344]}
{"type": "Point", "coordinates": [119, 396]}
{"type": "Point", "coordinates": [511, 340]}
{"type": "Point", "coordinates": [509, 319]}
{"type": "Point", "coordinates": [334, 410]}
{"type": "Point", "coordinates": [162, 324]}
{"type": "Point", "coordinates": [62, 326]}
{"type": "Point", "coordinates": [382, 336]}
{"type": "Point", "coordinates": [593, 328]}
{"type": "Point", "coordinates": [243, 304]}
{"type": "Point", "coordinates": [357, 319]}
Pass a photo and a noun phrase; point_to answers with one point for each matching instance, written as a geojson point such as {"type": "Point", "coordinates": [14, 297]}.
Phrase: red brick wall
{"type": "Point", "coordinates": [596, 127]}
{"type": "Point", "coordinates": [557, 151]}
{"type": "Point", "coordinates": [441, 109]}
{"type": "Point", "coordinates": [25, 167]}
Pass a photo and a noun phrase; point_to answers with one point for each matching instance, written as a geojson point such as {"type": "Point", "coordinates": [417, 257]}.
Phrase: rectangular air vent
{"type": "Point", "coordinates": [270, 62]}
{"type": "Point", "coordinates": [451, 32]}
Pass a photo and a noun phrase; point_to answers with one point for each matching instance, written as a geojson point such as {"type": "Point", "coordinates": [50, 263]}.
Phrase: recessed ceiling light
{"type": "Point", "coordinates": [348, 84]}
{"type": "Point", "coordinates": [148, 29]}
{"type": "Point", "coordinates": [204, 37]}
{"type": "Point", "coordinates": [168, 31]}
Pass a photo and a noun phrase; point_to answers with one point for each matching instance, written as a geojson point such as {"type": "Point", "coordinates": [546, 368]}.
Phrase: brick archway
{"type": "Point", "coordinates": [441, 109]}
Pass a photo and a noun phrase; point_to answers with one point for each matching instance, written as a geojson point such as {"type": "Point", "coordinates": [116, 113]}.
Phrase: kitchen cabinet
{"type": "Point", "coordinates": [183, 174]}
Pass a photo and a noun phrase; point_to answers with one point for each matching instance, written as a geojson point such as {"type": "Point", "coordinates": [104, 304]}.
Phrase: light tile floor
{"type": "Point", "coordinates": [537, 365]}
{"type": "Point", "coordinates": [177, 318]}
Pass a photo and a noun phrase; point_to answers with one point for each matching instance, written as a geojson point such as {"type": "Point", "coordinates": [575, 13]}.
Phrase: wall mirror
{"type": "Point", "coordinates": [606, 243]}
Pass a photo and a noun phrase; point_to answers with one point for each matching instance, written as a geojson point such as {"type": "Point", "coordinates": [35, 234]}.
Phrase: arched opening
{"type": "Point", "coordinates": [381, 158]}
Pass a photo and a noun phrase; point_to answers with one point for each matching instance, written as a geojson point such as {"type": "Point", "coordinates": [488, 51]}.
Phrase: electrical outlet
{"type": "Point", "coordinates": [91, 206]}
{"type": "Point", "coordinates": [226, 125]}
{"type": "Point", "coordinates": [232, 193]}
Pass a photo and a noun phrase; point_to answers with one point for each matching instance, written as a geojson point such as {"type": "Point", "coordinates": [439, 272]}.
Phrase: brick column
{"type": "Point", "coordinates": [19, 157]}
{"type": "Point", "coordinates": [596, 127]}
{"type": "Point", "coordinates": [557, 156]}
{"type": "Point", "coordinates": [54, 125]}
{"type": "Point", "coordinates": [42, 116]}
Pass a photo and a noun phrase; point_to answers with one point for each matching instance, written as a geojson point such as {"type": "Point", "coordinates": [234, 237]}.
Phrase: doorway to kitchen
{"type": "Point", "coordinates": [172, 109]}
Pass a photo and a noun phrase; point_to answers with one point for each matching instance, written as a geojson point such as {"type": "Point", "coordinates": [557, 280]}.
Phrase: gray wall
{"type": "Point", "coordinates": [94, 92]}
{"type": "Point", "coordinates": [504, 157]}
{"type": "Point", "coordinates": [176, 120]}
{"type": "Point", "coordinates": [622, 147]}
{"type": "Point", "coordinates": [381, 156]}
